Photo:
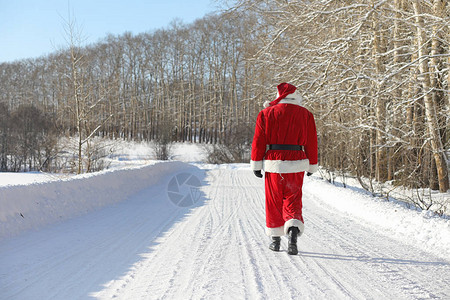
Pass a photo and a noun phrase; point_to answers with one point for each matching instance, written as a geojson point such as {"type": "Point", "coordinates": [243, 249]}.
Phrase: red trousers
{"type": "Point", "coordinates": [283, 198]}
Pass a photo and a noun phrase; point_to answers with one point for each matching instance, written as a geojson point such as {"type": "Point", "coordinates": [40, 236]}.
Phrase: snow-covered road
{"type": "Point", "coordinates": [148, 248]}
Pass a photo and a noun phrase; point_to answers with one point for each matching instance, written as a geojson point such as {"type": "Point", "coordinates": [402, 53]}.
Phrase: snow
{"type": "Point", "coordinates": [412, 227]}
{"type": "Point", "coordinates": [118, 234]}
{"type": "Point", "coordinates": [32, 200]}
{"type": "Point", "coordinates": [39, 204]}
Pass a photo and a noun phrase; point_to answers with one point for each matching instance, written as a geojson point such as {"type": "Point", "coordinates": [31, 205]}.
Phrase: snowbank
{"type": "Point", "coordinates": [124, 155]}
{"type": "Point", "coordinates": [10, 178]}
{"type": "Point", "coordinates": [31, 206]}
{"type": "Point", "coordinates": [419, 228]}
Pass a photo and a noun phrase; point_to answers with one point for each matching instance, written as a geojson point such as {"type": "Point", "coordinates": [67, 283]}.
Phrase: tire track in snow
{"type": "Point", "coordinates": [203, 233]}
{"type": "Point", "coordinates": [225, 200]}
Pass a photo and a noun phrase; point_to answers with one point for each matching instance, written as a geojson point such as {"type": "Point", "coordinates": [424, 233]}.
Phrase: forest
{"type": "Point", "coordinates": [373, 72]}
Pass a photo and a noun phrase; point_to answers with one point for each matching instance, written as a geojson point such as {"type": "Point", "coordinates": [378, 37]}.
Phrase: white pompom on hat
{"type": "Point", "coordinates": [284, 89]}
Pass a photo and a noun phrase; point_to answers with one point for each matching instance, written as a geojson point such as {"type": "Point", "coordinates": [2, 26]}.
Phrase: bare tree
{"type": "Point", "coordinates": [84, 102]}
{"type": "Point", "coordinates": [430, 106]}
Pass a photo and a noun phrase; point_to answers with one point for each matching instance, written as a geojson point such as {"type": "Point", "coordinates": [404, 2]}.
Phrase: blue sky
{"type": "Point", "coordinates": [32, 28]}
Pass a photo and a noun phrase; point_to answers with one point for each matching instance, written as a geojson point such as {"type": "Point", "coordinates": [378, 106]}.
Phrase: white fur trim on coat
{"type": "Point", "coordinates": [313, 168]}
{"type": "Point", "coordinates": [286, 166]}
{"type": "Point", "coordinates": [296, 223]}
{"type": "Point", "coordinates": [277, 231]}
{"type": "Point", "coordinates": [256, 165]}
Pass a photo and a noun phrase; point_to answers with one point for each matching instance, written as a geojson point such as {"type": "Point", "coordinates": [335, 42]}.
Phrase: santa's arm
{"type": "Point", "coordinates": [311, 145]}
{"type": "Point", "coordinates": [259, 144]}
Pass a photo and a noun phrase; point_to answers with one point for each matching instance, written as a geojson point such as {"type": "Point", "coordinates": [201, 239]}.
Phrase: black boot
{"type": "Point", "coordinates": [275, 246]}
{"type": "Point", "coordinates": [292, 244]}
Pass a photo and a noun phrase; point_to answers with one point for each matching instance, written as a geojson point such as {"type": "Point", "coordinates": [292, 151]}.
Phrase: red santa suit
{"type": "Point", "coordinates": [284, 122]}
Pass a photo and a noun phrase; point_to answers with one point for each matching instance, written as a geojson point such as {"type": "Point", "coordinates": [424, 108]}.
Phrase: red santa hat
{"type": "Point", "coordinates": [284, 89]}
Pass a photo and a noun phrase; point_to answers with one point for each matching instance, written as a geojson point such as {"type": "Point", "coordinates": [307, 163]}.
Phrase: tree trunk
{"type": "Point", "coordinates": [430, 107]}
{"type": "Point", "coordinates": [380, 103]}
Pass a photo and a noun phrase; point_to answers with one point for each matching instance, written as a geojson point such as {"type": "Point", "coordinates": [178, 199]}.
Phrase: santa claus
{"type": "Point", "coordinates": [285, 147]}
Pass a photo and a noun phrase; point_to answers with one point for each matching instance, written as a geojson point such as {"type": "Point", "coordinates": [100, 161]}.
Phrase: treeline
{"type": "Point", "coordinates": [184, 83]}
{"type": "Point", "coordinates": [191, 78]}
{"type": "Point", "coordinates": [374, 73]}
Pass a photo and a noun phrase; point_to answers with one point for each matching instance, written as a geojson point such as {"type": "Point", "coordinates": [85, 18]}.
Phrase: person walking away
{"type": "Point", "coordinates": [285, 147]}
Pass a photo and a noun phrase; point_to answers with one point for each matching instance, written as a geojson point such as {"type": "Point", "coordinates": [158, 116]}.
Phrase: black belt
{"type": "Point", "coordinates": [285, 147]}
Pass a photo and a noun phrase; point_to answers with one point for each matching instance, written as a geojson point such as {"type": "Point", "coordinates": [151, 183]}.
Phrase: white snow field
{"type": "Point", "coordinates": [118, 234]}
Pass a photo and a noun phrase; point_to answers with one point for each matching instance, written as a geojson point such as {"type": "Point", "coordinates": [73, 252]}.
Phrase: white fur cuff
{"type": "Point", "coordinates": [277, 231]}
{"type": "Point", "coordinates": [313, 168]}
{"type": "Point", "coordinates": [256, 165]}
{"type": "Point", "coordinates": [296, 223]}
